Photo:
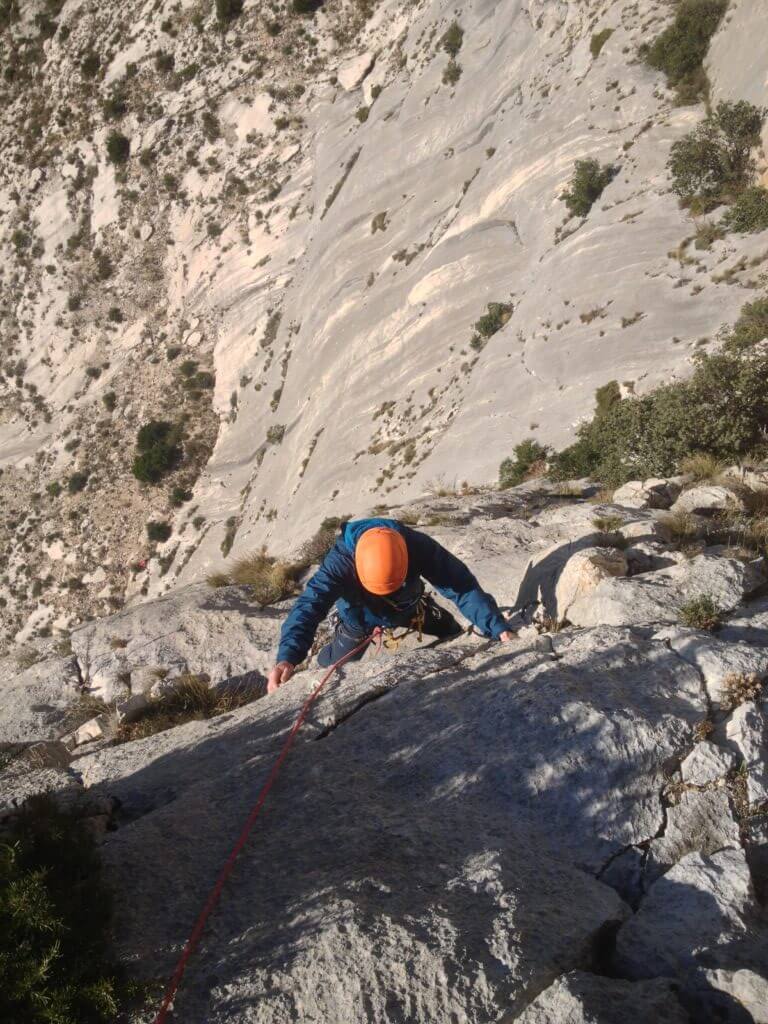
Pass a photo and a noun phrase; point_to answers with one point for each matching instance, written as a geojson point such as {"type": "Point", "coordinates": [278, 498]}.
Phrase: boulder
{"type": "Point", "coordinates": [19, 782]}
{"type": "Point", "coordinates": [716, 658]}
{"type": "Point", "coordinates": [653, 493]}
{"type": "Point", "coordinates": [701, 915]}
{"type": "Point", "coordinates": [658, 596]}
{"type": "Point", "coordinates": [352, 72]}
{"type": "Point", "coordinates": [583, 571]}
{"type": "Point", "coordinates": [732, 993]}
{"type": "Point", "coordinates": [195, 629]}
{"type": "Point", "coordinates": [581, 998]}
{"type": "Point", "coordinates": [706, 499]}
{"type": "Point", "coordinates": [696, 822]}
{"type": "Point", "coordinates": [706, 763]}
{"type": "Point", "coordinates": [146, 231]}
{"type": "Point", "coordinates": [747, 730]}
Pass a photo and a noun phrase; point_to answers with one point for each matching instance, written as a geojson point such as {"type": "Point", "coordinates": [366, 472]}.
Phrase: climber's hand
{"type": "Point", "coordinates": [507, 636]}
{"type": "Point", "coordinates": [280, 674]}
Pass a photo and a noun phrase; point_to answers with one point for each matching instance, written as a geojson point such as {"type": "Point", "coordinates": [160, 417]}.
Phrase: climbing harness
{"type": "Point", "coordinates": [226, 871]}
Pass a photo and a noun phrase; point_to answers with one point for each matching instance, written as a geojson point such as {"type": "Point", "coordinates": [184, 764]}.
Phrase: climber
{"type": "Point", "coordinates": [374, 575]}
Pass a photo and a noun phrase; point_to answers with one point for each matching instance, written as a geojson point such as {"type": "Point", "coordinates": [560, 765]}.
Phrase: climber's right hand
{"type": "Point", "coordinates": [280, 674]}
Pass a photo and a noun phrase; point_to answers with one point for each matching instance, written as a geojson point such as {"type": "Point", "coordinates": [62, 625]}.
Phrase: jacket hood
{"type": "Point", "coordinates": [354, 530]}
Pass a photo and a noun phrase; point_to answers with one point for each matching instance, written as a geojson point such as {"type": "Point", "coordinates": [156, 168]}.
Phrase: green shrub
{"type": "Point", "coordinates": [749, 211]}
{"type": "Point", "coordinates": [681, 48]}
{"type": "Point", "coordinates": [90, 65]}
{"type": "Point", "coordinates": [115, 106]}
{"type": "Point", "coordinates": [159, 531]}
{"type": "Point", "coordinates": [452, 39]}
{"type": "Point", "coordinates": [700, 613]}
{"type": "Point", "coordinates": [159, 451]}
{"type": "Point", "coordinates": [179, 495]}
{"type": "Point", "coordinates": [53, 488]}
{"type": "Point", "coordinates": [268, 578]}
{"type": "Point", "coordinates": [452, 72]}
{"type": "Point", "coordinates": [276, 433]}
{"type": "Point", "coordinates": [110, 401]}
{"type": "Point", "coordinates": [228, 10]}
{"type": "Point", "coordinates": [714, 162]}
{"type": "Point", "coordinates": [722, 410]}
{"type": "Point", "coordinates": [586, 186]}
{"type": "Point", "coordinates": [751, 327]}
{"type": "Point", "coordinates": [598, 41]}
{"type": "Point", "coordinates": [54, 921]}
{"type": "Point", "coordinates": [606, 397]}
{"type": "Point", "coordinates": [164, 62]}
{"type": "Point", "coordinates": [528, 455]}
{"type": "Point", "coordinates": [307, 8]}
{"type": "Point", "coordinates": [496, 315]}
{"type": "Point", "coordinates": [118, 147]}
{"type": "Point", "coordinates": [77, 482]}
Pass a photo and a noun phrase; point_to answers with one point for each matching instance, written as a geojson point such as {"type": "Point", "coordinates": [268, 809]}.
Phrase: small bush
{"type": "Point", "coordinates": [115, 106]}
{"type": "Point", "coordinates": [307, 8]}
{"type": "Point", "coordinates": [104, 268]}
{"type": "Point", "coordinates": [749, 211]}
{"type": "Point", "coordinates": [54, 922]}
{"type": "Point", "coordinates": [189, 698]}
{"type": "Point", "coordinates": [714, 162]}
{"type": "Point", "coordinates": [452, 39]}
{"type": "Point", "coordinates": [179, 495]}
{"type": "Point", "coordinates": [228, 10]}
{"type": "Point", "coordinates": [451, 72]}
{"type": "Point", "coordinates": [159, 451]}
{"type": "Point", "coordinates": [53, 488]}
{"type": "Point", "coordinates": [608, 523]}
{"type": "Point", "coordinates": [700, 613]}
{"type": "Point", "coordinates": [90, 65]}
{"type": "Point", "coordinates": [702, 467]}
{"type": "Point", "coordinates": [586, 186]}
{"type": "Point", "coordinates": [738, 688]}
{"type": "Point", "coordinates": [529, 456]}
{"type": "Point", "coordinates": [751, 327]}
{"type": "Point", "coordinates": [118, 148]}
{"type": "Point", "coordinates": [275, 433]}
{"type": "Point", "coordinates": [598, 41]}
{"type": "Point", "coordinates": [159, 531]}
{"type": "Point", "coordinates": [110, 401]}
{"type": "Point", "coordinates": [269, 579]}
{"type": "Point", "coordinates": [706, 234]}
{"type": "Point", "coordinates": [681, 48]}
{"type": "Point", "coordinates": [164, 62]}
{"type": "Point", "coordinates": [606, 397]}
{"type": "Point", "coordinates": [77, 482]}
{"type": "Point", "coordinates": [74, 302]}
{"type": "Point", "coordinates": [115, 315]}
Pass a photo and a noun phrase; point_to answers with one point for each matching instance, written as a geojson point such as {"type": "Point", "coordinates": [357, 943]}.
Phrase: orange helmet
{"type": "Point", "coordinates": [381, 560]}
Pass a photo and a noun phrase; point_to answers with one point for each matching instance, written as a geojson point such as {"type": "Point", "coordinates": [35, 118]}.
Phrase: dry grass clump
{"type": "Point", "coordinates": [702, 729]}
{"type": "Point", "coordinates": [82, 710]}
{"type": "Point", "coordinates": [682, 526]}
{"type": "Point", "coordinates": [608, 523]}
{"type": "Point", "coordinates": [702, 467]}
{"type": "Point", "coordinates": [269, 579]}
{"type": "Point", "coordinates": [189, 699]}
{"type": "Point", "coordinates": [738, 688]}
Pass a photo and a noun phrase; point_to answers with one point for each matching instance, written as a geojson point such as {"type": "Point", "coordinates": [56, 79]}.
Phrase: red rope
{"type": "Point", "coordinates": [226, 871]}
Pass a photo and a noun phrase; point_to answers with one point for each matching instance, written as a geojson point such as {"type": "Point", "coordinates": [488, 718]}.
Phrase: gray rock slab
{"type": "Point", "coordinates": [696, 822]}
{"type": "Point", "coordinates": [735, 997]}
{"type": "Point", "coordinates": [701, 915]}
{"type": "Point", "coordinates": [195, 629]}
{"type": "Point", "coordinates": [749, 624]}
{"type": "Point", "coordinates": [716, 657]}
{"type": "Point", "coordinates": [707, 763]}
{"type": "Point", "coordinates": [707, 498]}
{"type": "Point", "coordinates": [34, 701]}
{"type": "Point", "coordinates": [19, 782]}
{"type": "Point", "coordinates": [747, 731]}
{"type": "Point", "coordinates": [658, 596]}
{"type": "Point", "coordinates": [398, 871]}
{"type": "Point", "coordinates": [582, 998]}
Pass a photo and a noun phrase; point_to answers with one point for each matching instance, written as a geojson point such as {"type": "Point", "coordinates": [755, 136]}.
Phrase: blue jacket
{"type": "Point", "coordinates": [336, 581]}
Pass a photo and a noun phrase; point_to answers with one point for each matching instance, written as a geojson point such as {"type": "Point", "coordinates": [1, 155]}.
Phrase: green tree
{"type": "Point", "coordinates": [714, 161]}
{"type": "Point", "coordinates": [586, 186]}
{"type": "Point", "coordinates": [118, 147]}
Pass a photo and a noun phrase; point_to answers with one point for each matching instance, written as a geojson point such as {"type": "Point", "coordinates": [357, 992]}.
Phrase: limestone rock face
{"type": "Point", "coordinates": [716, 658]}
{"type": "Point", "coordinates": [701, 915]}
{"type": "Point", "coordinates": [217, 632]}
{"type": "Point", "coordinates": [581, 998]}
{"type": "Point", "coordinates": [706, 763]}
{"type": "Point", "coordinates": [658, 596]}
{"type": "Point", "coordinates": [747, 730]}
{"type": "Point", "coordinates": [34, 701]}
{"type": "Point", "coordinates": [582, 573]}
